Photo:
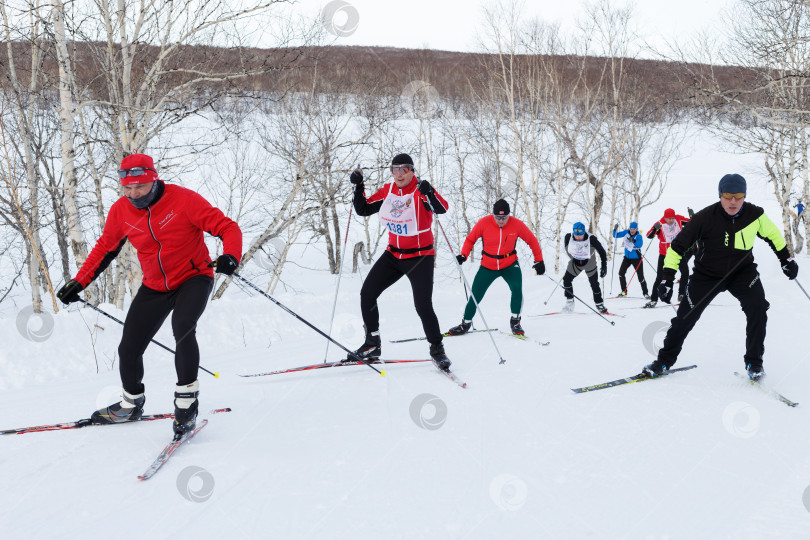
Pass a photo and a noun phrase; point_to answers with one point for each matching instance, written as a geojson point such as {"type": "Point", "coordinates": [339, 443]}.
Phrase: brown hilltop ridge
{"type": "Point", "coordinates": [455, 76]}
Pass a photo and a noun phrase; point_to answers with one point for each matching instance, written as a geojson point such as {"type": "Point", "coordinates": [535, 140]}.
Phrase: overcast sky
{"type": "Point", "coordinates": [452, 24]}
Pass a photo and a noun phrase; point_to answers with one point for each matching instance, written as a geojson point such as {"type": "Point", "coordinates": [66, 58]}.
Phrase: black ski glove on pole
{"type": "Point", "coordinates": [790, 268]}
{"type": "Point", "coordinates": [226, 264]}
{"type": "Point", "coordinates": [539, 267]}
{"type": "Point", "coordinates": [356, 177]}
{"type": "Point", "coordinates": [70, 292]}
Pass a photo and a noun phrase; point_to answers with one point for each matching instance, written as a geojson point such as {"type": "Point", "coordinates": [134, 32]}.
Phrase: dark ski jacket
{"type": "Point", "coordinates": [724, 242]}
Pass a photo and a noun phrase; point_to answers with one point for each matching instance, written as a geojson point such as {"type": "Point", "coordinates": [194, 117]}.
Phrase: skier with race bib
{"type": "Point", "coordinates": [667, 228]}
{"type": "Point", "coordinates": [582, 248]}
{"type": "Point", "coordinates": [632, 241]}
{"type": "Point", "coordinates": [405, 206]}
{"type": "Point", "coordinates": [499, 233]}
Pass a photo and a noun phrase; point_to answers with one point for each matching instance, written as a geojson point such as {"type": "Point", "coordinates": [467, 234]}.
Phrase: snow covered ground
{"type": "Point", "coordinates": [345, 453]}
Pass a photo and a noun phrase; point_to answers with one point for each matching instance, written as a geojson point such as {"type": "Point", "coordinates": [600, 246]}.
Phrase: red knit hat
{"type": "Point", "coordinates": [669, 213]}
{"type": "Point", "coordinates": [138, 160]}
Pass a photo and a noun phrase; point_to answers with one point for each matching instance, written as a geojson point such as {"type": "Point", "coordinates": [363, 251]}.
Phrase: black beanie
{"type": "Point", "coordinates": [402, 159]}
{"type": "Point", "coordinates": [501, 208]}
{"type": "Point", "coordinates": [731, 183]}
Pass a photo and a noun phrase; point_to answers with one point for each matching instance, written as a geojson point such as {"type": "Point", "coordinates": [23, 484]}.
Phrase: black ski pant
{"type": "Point", "coordinates": [387, 271]}
{"type": "Point", "coordinates": [745, 285]}
{"type": "Point", "coordinates": [683, 268]}
{"type": "Point", "coordinates": [638, 267]}
{"type": "Point", "coordinates": [573, 270]}
{"type": "Point", "coordinates": [145, 317]}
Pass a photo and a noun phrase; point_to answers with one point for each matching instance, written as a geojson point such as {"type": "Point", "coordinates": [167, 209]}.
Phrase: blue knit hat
{"type": "Point", "coordinates": [633, 225]}
{"type": "Point", "coordinates": [579, 228]}
{"type": "Point", "coordinates": [731, 183]}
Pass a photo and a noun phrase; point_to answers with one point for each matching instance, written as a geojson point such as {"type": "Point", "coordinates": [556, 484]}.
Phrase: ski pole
{"type": "Point", "coordinates": [612, 323]}
{"type": "Point", "coordinates": [337, 287]}
{"type": "Point", "coordinates": [802, 288]}
{"type": "Point", "coordinates": [613, 264]}
{"type": "Point", "coordinates": [352, 355]}
{"type": "Point", "coordinates": [88, 304]}
{"type": "Point", "coordinates": [553, 290]}
{"type": "Point", "coordinates": [466, 284]}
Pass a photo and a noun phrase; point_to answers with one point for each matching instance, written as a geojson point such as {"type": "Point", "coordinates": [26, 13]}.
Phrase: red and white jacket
{"type": "Point", "coordinates": [663, 245]}
{"type": "Point", "coordinates": [168, 236]}
{"type": "Point", "coordinates": [414, 246]}
{"type": "Point", "coordinates": [500, 242]}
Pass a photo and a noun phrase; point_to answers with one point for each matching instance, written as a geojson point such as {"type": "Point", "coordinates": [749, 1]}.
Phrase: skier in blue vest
{"type": "Point", "coordinates": [632, 256]}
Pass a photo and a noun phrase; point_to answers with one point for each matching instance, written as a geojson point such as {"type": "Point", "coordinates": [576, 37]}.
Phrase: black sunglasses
{"type": "Point", "coordinates": [134, 171]}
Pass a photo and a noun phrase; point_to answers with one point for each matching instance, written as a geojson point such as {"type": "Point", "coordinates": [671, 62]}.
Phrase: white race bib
{"type": "Point", "coordinates": [671, 231]}
{"type": "Point", "coordinates": [629, 245]}
{"type": "Point", "coordinates": [398, 213]}
{"type": "Point", "coordinates": [580, 249]}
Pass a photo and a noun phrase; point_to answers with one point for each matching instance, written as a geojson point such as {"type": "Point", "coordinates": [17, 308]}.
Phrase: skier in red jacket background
{"type": "Point", "coordinates": [667, 228]}
{"type": "Point", "coordinates": [500, 233]}
{"type": "Point", "coordinates": [165, 224]}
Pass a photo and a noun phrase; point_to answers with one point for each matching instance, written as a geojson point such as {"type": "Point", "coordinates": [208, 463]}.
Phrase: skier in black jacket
{"type": "Point", "coordinates": [724, 262]}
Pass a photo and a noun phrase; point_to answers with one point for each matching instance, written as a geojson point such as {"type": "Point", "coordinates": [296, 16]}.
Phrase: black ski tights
{"type": "Point", "coordinates": [145, 317]}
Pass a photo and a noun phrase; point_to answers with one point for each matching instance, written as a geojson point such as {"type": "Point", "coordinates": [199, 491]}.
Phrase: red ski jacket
{"type": "Point", "coordinates": [168, 236]}
{"type": "Point", "coordinates": [499, 242]}
{"type": "Point", "coordinates": [404, 247]}
{"type": "Point", "coordinates": [663, 245]}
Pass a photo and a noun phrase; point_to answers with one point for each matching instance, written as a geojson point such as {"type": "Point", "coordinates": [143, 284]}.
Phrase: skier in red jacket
{"type": "Point", "coordinates": [406, 208]}
{"type": "Point", "coordinates": [165, 224]}
{"type": "Point", "coordinates": [667, 228]}
{"type": "Point", "coordinates": [500, 234]}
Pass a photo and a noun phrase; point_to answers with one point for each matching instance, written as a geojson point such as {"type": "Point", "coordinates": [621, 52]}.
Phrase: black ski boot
{"type": "Point", "coordinates": [461, 329]}
{"type": "Point", "coordinates": [601, 307]}
{"type": "Point", "coordinates": [656, 368]}
{"type": "Point", "coordinates": [128, 409]}
{"type": "Point", "coordinates": [514, 322]}
{"type": "Point", "coordinates": [369, 350]}
{"type": "Point", "coordinates": [755, 373]}
{"type": "Point", "coordinates": [438, 356]}
{"type": "Point", "coordinates": [185, 408]}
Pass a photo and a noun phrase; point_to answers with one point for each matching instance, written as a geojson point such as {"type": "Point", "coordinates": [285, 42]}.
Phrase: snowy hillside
{"type": "Point", "coordinates": [345, 453]}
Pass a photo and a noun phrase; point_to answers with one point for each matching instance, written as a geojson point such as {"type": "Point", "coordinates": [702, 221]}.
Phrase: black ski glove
{"type": "Point", "coordinates": [603, 271]}
{"type": "Point", "coordinates": [461, 258]}
{"type": "Point", "coordinates": [226, 264]}
{"type": "Point", "coordinates": [356, 177]}
{"type": "Point", "coordinates": [691, 212]}
{"type": "Point", "coordinates": [666, 285]}
{"type": "Point", "coordinates": [790, 268]}
{"type": "Point", "coordinates": [70, 292]}
{"type": "Point", "coordinates": [539, 267]}
{"type": "Point", "coordinates": [425, 188]}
